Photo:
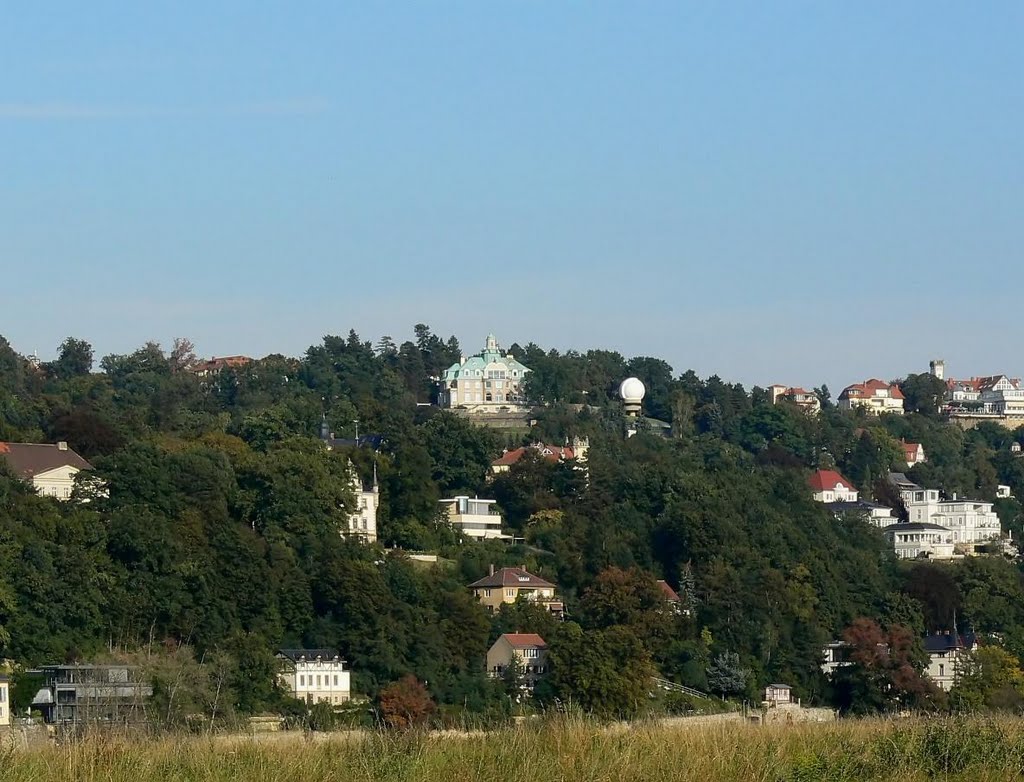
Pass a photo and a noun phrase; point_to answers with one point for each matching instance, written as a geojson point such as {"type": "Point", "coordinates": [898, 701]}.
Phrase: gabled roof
{"type": "Point", "coordinates": [910, 449]}
{"type": "Point", "coordinates": [512, 577]}
{"type": "Point", "coordinates": [552, 453]}
{"type": "Point", "coordinates": [31, 459]}
{"type": "Point", "coordinates": [524, 640]}
{"type": "Point", "coordinates": [945, 642]}
{"type": "Point", "coordinates": [827, 480]}
{"type": "Point", "coordinates": [309, 654]}
{"type": "Point", "coordinates": [670, 594]}
{"type": "Point", "coordinates": [869, 388]}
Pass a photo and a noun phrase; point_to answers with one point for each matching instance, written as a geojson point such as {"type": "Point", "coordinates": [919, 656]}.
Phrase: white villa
{"type": "Point", "coordinates": [969, 522]}
{"type": "Point", "coordinates": [473, 517]}
{"type": "Point", "coordinates": [876, 396]}
{"type": "Point", "coordinates": [363, 523]}
{"type": "Point", "coordinates": [945, 653]}
{"type": "Point", "coordinates": [489, 381]}
{"type": "Point", "coordinates": [51, 469]}
{"type": "Point", "coordinates": [314, 676]}
{"type": "Point", "coordinates": [829, 486]}
{"type": "Point", "coordinates": [920, 539]}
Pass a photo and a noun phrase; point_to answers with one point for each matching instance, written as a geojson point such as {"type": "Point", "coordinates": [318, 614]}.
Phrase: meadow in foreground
{"type": "Point", "coordinates": [565, 750]}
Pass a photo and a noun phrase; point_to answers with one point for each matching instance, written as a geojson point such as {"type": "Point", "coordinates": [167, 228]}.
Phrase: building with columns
{"type": "Point", "coordinates": [490, 381]}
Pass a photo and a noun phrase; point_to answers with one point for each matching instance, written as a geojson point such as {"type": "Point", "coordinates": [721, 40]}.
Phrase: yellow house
{"type": "Point", "coordinates": [528, 649]}
{"type": "Point", "coordinates": [510, 583]}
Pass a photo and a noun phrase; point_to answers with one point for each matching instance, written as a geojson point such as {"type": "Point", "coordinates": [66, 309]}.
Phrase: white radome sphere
{"type": "Point", "coordinates": [632, 390]}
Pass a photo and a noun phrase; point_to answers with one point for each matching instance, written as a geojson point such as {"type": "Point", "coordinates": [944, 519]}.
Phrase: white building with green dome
{"type": "Point", "coordinates": [490, 381]}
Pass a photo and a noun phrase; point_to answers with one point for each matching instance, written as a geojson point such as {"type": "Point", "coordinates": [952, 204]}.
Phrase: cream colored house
{"type": "Point", "coordinates": [806, 400]}
{"type": "Point", "coordinates": [970, 522]}
{"type": "Point", "coordinates": [363, 523]}
{"type": "Point", "coordinates": [509, 584]}
{"type": "Point", "coordinates": [473, 517]}
{"type": "Point", "coordinates": [915, 540]}
{"type": "Point", "coordinates": [528, 649]}
{"type": "Point", "coordinates": [5, 703]}
{"type": "Point", "coordinates": [314, 676]}
{"type": "Point", "coordinates": [51, 469]}
{"type": "Point", "coordinates": [876, 396]}
{"type": "Point", "coordinates": [553, 453]}
{"type": "Point", "coordinates": [490, 381]}
{"type": "Point", "coordinates": [945, 657]}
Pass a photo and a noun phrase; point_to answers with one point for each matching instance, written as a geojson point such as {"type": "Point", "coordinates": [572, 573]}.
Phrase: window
{"type": "Point", "coordinates": [942, 669]}
{"type": "Point", "coordinates": [487, 593]}
{"type": "Point", "coordinates": [302, 681]}
{"type": "Point", "coordinates": [510, 593]}
{"type": "Point", "coordinates": [335, 680]}
{"type": "Point", "coordinates": [318, 680]}
{"type": "Point", "coordinates": [531, 653]}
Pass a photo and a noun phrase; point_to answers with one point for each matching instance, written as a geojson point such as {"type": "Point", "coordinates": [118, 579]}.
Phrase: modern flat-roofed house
{"type": "Point", "coordinates": [511, 583]}
{"type": "Point", "coordinates": [97, 694]}
{"type": "Point", "coordinates": [51, 469]}
{"type": "Point", "coordinates": [314, 676]}
{"type": "Point", "coordinates": [528, 649]}
{"type": "Point", "coordinates": [915, 540]}
{"type": "Point", "coordinates": [875, 396]}
{"type": "Point", "coordinates": [473, 517]}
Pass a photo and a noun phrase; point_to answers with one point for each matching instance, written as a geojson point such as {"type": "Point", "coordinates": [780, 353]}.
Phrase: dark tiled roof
{"type": "Point", "coordinates": [309, 654]}
{"type": "Point", "coordinates": [30, 459]}
{"type": "Point", "coordinates": [944, 642]}
{"type": "Point", "coordinates": [512, 577]}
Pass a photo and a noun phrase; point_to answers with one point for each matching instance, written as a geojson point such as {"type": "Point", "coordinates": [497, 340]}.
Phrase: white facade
{"type": "Point", "coordinates": [314, 676]}
{"type": "Point", "coordinates": [473, 517]}
{"type": "Point", "coordinates": [829, 486]}
{"type": "Point", "coordinates": [913, 540]}
{"type": "Point", "coordinates": [945, 657]}
{"type": "Point", "coordinates": [57, 482]}
{"type": "Point", "coordinates": [806, 400]}
{"type": "Point", "coordinates": [5, 703]}
{"type": "Point", "coordinates": [363, 523]}
{"type": "Point", "coordinates": [969, 521]}
{"type": "Point", "coordinates": [877, 515]}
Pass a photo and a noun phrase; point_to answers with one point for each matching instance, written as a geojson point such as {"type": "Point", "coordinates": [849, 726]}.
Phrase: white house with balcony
{"type": "Point", "coordinates": [314, 676]}
{"type": "Point", "coordinates": [916, 540]}
{"type": "Point", "coordinates": [51, 469]}
{"type": "Point", "coordinates": [969, 522]}
{"type": "Point", "coordinates": [488, 382]}
{"type": "Point", "coordinates": [473, 517]}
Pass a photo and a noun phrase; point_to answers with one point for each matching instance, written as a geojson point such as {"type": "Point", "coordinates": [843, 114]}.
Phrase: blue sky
{"type": "Point", "coordinates": [773, 192]}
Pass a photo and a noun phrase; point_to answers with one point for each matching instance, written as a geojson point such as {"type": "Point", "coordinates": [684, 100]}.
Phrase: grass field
{"type": "Point", "coordinates": [563, 751]}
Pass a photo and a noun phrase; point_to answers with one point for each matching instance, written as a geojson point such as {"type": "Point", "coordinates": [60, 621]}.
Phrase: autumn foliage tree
{"type": "Point", "coordinates": [404, 704]}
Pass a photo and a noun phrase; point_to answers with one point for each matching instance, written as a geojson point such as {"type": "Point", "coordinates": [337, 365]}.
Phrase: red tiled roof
{"type": "Point", "coordinates": [556, 453]}
{"type": "Point", "coordinates": [524, 640]}
{"type": "Point", "coordinates": [30, 459]}
{"type": "Point", "coordinates": [669, 592]}
{"type": "Point", "coordinates": [512, 577]}
{"type": "Point", "coordinates": [826, 480]}
{"type": "Point", "coordinates": [910, 449]}
{"type": "Point", "coordinates": [220, 363]}
{"type": "Point", "coordinates": [869, 387]}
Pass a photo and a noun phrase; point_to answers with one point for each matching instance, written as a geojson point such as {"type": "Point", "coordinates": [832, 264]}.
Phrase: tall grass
{"type": "Point", "coordinates": [555, 751]}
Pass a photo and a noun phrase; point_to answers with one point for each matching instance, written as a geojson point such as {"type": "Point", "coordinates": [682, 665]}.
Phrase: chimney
{"type": "Point", "coordinates": [62, 445]}
{"type": "Point", "coordinates": [492, 568]}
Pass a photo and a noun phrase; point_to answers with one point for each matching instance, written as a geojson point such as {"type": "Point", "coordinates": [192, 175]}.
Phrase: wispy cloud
{"type": "Point", "coordinates": [60, 111]}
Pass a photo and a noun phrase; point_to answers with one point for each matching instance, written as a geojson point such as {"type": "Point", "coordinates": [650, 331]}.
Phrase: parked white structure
{"type": "Point", "coordinates": [473, 516]}
{"type": "Point", "coordinates": [829, 486]}
{"type": "Point", "coordinates": [876, 396]}
{"type": "Point", "coordinates": [489, 381]}
{"type": "Point", "coordinates": [314, 676]}
{"type": "Point", "coordinates": [51, 469]}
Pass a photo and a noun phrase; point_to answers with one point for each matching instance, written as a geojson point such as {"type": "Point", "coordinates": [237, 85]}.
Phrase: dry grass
{"type": "Point", "coordinates": [566, 751]}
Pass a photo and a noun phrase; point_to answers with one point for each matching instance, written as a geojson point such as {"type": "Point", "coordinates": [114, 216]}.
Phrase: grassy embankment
{"type": "Point", "coordinates": [977, 749]}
